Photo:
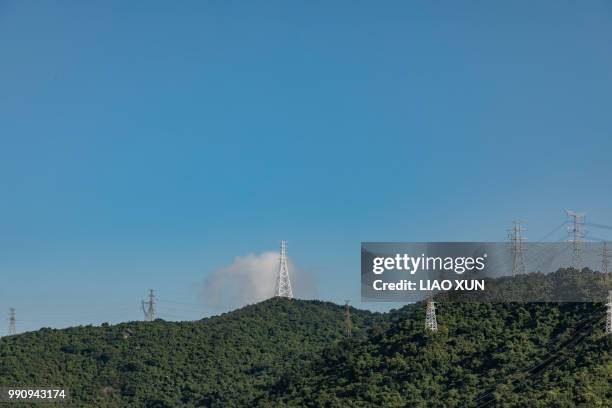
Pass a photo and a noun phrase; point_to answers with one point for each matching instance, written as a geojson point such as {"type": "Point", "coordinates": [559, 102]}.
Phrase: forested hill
{"type": "Point", "coordinates": [513, 355]}
{"type": "Point", "coordinates": [222, 361]}
{"type": "Point", "coordinates": [293, 353]}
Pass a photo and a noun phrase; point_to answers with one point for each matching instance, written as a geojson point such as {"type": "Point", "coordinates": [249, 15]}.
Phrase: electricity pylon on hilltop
{"type": "Point", "coordinates": [283, 284]}
{"type": "Point", "coordinates": [577, 234]}
{"type": "Point", "coordinates": [12, 329]}
{"type": "Point", "coordinates": [431, 323]}
{"type": "Point", "coordinates": [516, 238]}
{"type": "Point", "coordinates": [605, 257]}
{"type": "Point", "coordinates": [148, 307]}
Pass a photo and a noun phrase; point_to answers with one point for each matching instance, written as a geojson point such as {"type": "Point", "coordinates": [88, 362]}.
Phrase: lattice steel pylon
{"type": "Point", "coordinates": [577, 232]}
{"type": "Point", "coordinates": [431, 323]}
{"type": "Point", "coordinates": [148, 307]}
{"type": "Point", "coordinates": [609, 314]}
{"type": "Point", "coordinates": [283, 284]}
{"type": "Point", "coordinates": [515, 236]}
{"type": "Point", "coordinates": [12, 329]}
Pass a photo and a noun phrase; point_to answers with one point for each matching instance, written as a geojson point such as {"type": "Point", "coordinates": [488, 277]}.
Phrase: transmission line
{"type": "Point", "coordinates": [534, 258]}
{"type": "Point", "coordinates": [553, 231]}
{"type": "Point", "coordinates": [591, 224]}
{"type": "Point", "coordinates": [573, 340]}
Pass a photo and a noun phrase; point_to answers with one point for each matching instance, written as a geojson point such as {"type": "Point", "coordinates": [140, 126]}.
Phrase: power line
{"type": "Point", "coordinates": [180, 309]}
{"type": "Point", "coordinates": [178, 303]}
{"type": "Point", "coordinates": [534, 258]}
{"type": "Point", "coordinates": [591, 224]}
{"type": "Point", "coordinates": [593, 238]}
{"type": "Point", "coordinates": [579, 325]}
{"type": "Point", "coordinates": [169, 305]}
{"type": "Point", "coordinates": [557, 228]}
{"type": "Point", "coordinates": [574, 339]}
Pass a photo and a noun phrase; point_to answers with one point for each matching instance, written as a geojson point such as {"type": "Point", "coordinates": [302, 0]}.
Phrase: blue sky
{"type": "Point", "coordinates": [146, 146]}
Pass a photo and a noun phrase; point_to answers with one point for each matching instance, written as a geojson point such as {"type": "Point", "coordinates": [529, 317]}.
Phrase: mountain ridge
{"type": "Point", "coordinates": [216, 361]}
{"type": "Point", "coordinates": [294, 353]}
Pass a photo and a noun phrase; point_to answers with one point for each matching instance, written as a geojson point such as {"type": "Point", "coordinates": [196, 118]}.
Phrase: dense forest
{"type": "Point", "coordinates": [222, 361]}
{"type": "Point", "coordinates": [293, 353]}
{"type": "Point", "coordinates": [515, 355]}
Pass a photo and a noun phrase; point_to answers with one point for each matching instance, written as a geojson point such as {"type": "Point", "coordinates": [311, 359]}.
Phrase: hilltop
{"type": "Point", "coordinates": [221, 361]}
{"type": "Point", "coordinates": [293, 353]}
{"type": "Point", "coordinates": [513, 354]}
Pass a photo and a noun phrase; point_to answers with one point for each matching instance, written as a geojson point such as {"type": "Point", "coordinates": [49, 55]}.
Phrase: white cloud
{"type": "Point", "coordinates": [251, 279]}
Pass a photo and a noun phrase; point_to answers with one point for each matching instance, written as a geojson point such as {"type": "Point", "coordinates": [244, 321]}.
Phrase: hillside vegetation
{"type": "Point", "coordinates": [222, 361]}
{"type": "Point", "coordinates": [511, 355]}
{"type": "Point", "coordinates": [293, 353]}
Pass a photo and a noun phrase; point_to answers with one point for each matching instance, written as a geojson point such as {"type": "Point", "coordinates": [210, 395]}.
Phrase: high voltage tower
{"type": "Point", "coordinates": [605, 258]}
{"type": "Point", "coordinates": [348, 325]}
{"type": "Point", "coordinates": [609, 314]}
{"type": "Point", "coordinates": [12, 329]}
{"type": "Point", "coordinates": [283, 285]}
{"type": "Point", "coordinates": [577, 234]}
{"type": "Point", "coordinates": [431, 323]}
{"type": "Point", "coordinates": [515, 236]}
{"type": "Point", "coordinates": [148, 307]}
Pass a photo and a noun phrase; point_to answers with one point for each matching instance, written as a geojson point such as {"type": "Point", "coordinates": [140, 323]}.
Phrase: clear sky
{"type": "Point", "coordinates": [146, 145]}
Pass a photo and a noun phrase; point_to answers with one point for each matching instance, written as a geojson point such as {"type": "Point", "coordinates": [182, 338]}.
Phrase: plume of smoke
{"type": "Point", "coordinates": [251, 279]}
